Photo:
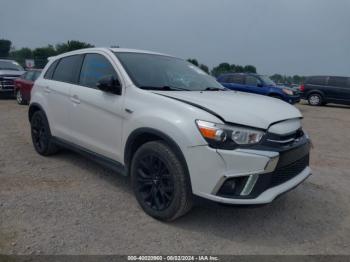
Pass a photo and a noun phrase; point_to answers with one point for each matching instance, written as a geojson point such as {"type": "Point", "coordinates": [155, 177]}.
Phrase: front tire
{"type": "Point", "coordinates": [160, 181]}
{"type": "Point", "coordinates": [315, 100]}
{"type": "Point", "coordinates": [41, 135]}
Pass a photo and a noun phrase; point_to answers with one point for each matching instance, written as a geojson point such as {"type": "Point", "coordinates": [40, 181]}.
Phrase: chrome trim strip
{"type": "Point", "coordinates": [281, 141]}
{"type": "Point", "coordinates": [218, 185]}
{"type": "Point", "coordinates": [271, 165]}
{"type": "Point", "coordinates": [249, 185]}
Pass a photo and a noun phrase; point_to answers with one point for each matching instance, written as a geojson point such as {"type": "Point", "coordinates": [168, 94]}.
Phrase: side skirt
{"type": "Point", "coordinates": [102, 160]}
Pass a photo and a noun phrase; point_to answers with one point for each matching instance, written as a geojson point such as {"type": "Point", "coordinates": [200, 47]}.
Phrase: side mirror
{"type": "Point", "coordinates": [110, 84]}
{"type": "Point", "coordinates": [260, 85]}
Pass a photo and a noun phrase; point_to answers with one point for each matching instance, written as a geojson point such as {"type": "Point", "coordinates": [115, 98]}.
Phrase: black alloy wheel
{"type": "Point", "coordinates": [41, 135]}
{"type": "Point", "coordinates": [160, 181]}
{"type": "Point", "coordinates": [155, 184]}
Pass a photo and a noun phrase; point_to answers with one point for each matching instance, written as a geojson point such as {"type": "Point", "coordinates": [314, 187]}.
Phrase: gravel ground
{"type": "Point", "coordinates": [66, 204]}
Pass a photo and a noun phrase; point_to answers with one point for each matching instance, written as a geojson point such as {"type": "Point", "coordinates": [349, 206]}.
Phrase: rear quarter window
{"type": "Point", "coordinates": [338, 81]}
{"type": "Point", "coordinates": [316, 80]}
{"type": "Point", "coordinates": [49, 72]}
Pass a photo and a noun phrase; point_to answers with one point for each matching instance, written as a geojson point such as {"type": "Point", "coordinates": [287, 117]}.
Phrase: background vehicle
{"type": "Point", "coordinates": [174, 129]}
{"type": "Point", "coordinates": [258, 84]}
{"type": "Point", "coordinates": [24, 84]}
{"type": "Point", "coordinates": [9, 71]}
{"type": "Point", "coordinates": [320, 90]}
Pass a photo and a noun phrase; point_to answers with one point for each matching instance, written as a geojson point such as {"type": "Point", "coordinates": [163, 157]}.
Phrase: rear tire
{"type": "Point", "coordinates": [160, 181]}
{"type": "Point", "coordinates": [315, 99]}
{"type": "Point", "coordinates": [41, 135]}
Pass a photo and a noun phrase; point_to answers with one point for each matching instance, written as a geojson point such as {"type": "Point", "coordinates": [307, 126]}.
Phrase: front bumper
{"type": "Point", "coordinates": [293, 99]}
{"type": "Point", "coordinates": [261, 175]}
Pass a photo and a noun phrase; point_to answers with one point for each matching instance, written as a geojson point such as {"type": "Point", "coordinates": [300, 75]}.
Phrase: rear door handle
{"type": "Point", "coordinates": [47, 89]}
{"type": "Point", "coordinates": [75, 99]}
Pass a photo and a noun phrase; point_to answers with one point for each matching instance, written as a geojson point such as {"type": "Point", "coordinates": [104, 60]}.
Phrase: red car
{"type": "Point", "coordinates": [24, 84]}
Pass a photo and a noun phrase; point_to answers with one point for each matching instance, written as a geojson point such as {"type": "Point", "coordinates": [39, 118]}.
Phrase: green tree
{"type": "Point", "coordinates": [277, 78]}
{"type": "Point", "coordinates": [221, 69]}
{"type": "Point", "coordinates": [204, 68]}
{"type": "Point", "coordinates": [193, 61]}
{"type": "Point", "coordinates": [239, 69]}
{"type": "Point", "coordinates": [5, 47]}
{"type": "Point", "coordinates": [297, 79]}
{"type": "Point", "coordinates": [71, 46]}
{"type": "Point", "coordinates": [41, 55]}
{"type": "Point", "coordinates": [21, 55]}
{"type": "Point", "coordinates": [250, 69]}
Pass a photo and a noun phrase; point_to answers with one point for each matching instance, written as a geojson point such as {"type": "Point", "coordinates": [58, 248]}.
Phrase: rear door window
{"type": "Point", "coordinates": [237, 79]}
{"type": "Point", "coordinates": [251, 81]}
{"type": "Point", "coordinates": [226, 79]}
{"type": "Point", "coordinates": [68, 69]}
{"type": "Point", "coordinates": [338, 81]}
{"type": "Point", "coordinates": [316, 80]}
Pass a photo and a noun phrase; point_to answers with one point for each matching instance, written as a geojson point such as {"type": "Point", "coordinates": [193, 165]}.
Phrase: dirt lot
{"type": "Point", "coordinates": [68, 205]}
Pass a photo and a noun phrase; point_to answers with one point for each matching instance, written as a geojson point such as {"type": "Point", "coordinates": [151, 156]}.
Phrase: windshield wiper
{"type": "Point", "coordinates": [215, 89]}
{"type": "Point", "coordinates": [164, 88]}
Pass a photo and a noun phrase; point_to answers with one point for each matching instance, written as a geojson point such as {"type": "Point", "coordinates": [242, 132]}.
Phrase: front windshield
{"type": "Point", "coordinates": [10, 65]}
{"type": "Point", "coordinates": [149, 71]}
{"type": "Point", "coordinates": [267, 80]}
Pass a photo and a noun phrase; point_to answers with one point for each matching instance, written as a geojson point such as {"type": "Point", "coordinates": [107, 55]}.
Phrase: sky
{"type": "Point", "coordinates": [289, 37]}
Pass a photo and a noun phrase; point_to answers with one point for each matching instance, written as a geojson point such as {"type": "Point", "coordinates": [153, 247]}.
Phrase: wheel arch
{"type": "Point", "coordinates": [141, 136]}
{"type": "Point", "coordinates": [316, 91]}
{"type": "Point", "coordinates": [34, 107]}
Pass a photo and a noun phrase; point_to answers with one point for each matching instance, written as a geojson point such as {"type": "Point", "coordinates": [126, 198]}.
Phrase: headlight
{"type": "Point", "coordinates": [287, 91]}
{"type": "Point", "coordinates": [227, 136]}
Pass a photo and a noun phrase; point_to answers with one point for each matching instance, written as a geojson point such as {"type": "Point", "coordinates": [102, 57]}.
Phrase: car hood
{"type": "Point", "coordinates": [284, 87]}
{"type": "Point", "coordinates": [11, 73]}
{"type": "Point", "coordinates": [238, 107]}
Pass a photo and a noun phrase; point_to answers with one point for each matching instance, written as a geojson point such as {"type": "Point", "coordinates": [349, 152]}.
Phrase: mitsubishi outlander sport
{"type": "Point", "coordinates": [171, 127]}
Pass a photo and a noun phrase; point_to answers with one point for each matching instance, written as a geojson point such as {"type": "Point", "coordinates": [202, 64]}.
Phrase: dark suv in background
{"type": "Point", "coordinates": [320, 90]}
{"type": "Point", "coordinates": [9, 71]}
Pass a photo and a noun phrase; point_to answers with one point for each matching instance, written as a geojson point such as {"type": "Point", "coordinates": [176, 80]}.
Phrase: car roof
{"type": "Point", "coordinates": [116, 50]}
{"type": "Point", "coordinates": [325, 76]}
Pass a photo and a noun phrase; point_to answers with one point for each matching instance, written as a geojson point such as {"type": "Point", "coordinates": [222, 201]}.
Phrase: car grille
{"type": "Point", "coordinates": [283, 174]}
{"type": "Point", "coordinates": [275, 140]}
{"type": "Point", "coordinates": [7, 82]}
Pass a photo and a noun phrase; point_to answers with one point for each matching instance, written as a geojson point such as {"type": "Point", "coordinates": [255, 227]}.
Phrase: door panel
{"type": "Point", "coordinates": [57, 94]}
{"type": "Point", "coordinates": [337, 88]}
{"type": "Point", "coordinates": [96, 116]}
{"type": "Point", "coordinates": [96, 120]}
{"type": "Point", "coordinates": [57, 88]}
{"type": "Point", "coordinates": [251, 84]}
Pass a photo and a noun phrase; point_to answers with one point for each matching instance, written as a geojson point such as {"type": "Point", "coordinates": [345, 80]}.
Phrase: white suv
{"type": "Point", "coordinates": [174, 129]}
